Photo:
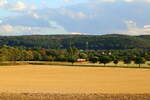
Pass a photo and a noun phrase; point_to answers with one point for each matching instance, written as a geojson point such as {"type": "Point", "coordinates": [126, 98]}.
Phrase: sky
{"type": "Point", "coordinates": [95, 17]}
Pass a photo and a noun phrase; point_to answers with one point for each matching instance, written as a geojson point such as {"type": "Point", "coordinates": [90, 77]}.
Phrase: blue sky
{"type": "Point", "coordinates": [40, 4]}
{"type": "Point", "coordinates": [30, 17]}
{"type": "Point", "coordinates": [51, 3]}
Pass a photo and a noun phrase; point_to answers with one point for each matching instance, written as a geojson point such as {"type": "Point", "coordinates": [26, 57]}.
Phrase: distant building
{"type": "Point", "coordinates": [81, 60]}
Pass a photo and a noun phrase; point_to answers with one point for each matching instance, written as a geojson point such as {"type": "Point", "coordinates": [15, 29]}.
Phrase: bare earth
{"type": "Point", "coordinates": [63, 79]}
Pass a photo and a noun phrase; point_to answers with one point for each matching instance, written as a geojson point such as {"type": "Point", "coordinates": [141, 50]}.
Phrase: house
{"type": "Point", "coordinates": [81, 60]}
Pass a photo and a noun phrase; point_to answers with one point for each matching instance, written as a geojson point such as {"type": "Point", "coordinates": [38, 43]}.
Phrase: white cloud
{"type": "Point", "coordinates": [129, 0]}
{"type": "Point", "coordinates": [147, 0]}
{"type": "Point", "coordinates": [6, 28]}
{"type": "Point", "coordinates": [90, 18]}
{"type": "Point", "coordinates": [67, 1]}
{"type": "Point", "coordinates": [17, 6]}
{"type": "Point", "coordinates": [132, 29]}
{"type": "Point", "coordinates": [76, 15]}
{"type": "Point", "coordinates": [73, 15]}
{"type": "Point", "coordinates": [33, 14]}
{"type": "Point", "coordinates": [54, 28]}
{"type": "Point", "coordinates": [3, 2]}
{"type": "Point", "coordinates": [26, 30]}
{"type": "Point", "coordinates": [130, 24]}
{"type": "Point", "coordinates": [1, 21]}
{"type": "Point", "coordinates": [108, 0]}
{"type": "Point", "coordinates": [20, 6]}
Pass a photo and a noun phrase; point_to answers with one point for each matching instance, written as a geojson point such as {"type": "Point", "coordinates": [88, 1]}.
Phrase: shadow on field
{"type": "Point", "coordinates": [80, 65]}
{"type": "Point", "coordinates": [40, 96]}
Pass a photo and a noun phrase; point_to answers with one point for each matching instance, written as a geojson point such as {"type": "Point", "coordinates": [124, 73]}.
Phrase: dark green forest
{"type": "Point", "coordinates": [72, 54]}
{"type": "Point", "coordinates": [82, 42]}
{"type": "Point", "coordinates": [69, 48]}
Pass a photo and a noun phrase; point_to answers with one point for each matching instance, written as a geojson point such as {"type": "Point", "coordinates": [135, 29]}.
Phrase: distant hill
{"type": "Point", "coordinates": [145, 37]}
{"type": "Point", "coordinates": [113, 41]}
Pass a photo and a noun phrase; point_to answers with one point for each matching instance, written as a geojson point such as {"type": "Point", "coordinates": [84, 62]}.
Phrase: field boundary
{"type": "Point", "coordinates": [70, 65]}
{"type": "Point", "coordinates": [90, 65]}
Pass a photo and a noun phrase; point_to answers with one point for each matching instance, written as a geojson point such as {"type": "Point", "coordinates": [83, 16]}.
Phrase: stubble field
{"type": "Point", "coordinates": [73, 80]}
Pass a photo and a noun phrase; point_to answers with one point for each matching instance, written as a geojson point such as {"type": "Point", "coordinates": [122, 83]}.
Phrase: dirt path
{"type": "Point", "coordinates": [59, 79]}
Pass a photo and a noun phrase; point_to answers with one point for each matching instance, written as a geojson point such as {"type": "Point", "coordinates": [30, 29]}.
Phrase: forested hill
{"type": "Point", "coordinates": [96, 42]}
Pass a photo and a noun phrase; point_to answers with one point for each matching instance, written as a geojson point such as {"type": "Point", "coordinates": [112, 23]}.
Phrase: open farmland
{"type": "Point", "coordinates": [65, 79]}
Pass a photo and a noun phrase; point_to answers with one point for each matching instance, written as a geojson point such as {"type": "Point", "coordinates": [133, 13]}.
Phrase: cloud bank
{"type": "Point", "coordinates": [91, 17]}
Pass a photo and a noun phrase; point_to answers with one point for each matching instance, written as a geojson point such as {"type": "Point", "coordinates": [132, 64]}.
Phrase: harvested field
{"type": "Point", "coordinates": [38, 96]}
{"type": "Point", "coordinates": [68, 80]}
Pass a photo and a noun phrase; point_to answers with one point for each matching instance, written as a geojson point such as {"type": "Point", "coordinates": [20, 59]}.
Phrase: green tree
{"type": "Point", "coordinates": [7, 53]}
{"type": "Point", "coordinates": [50, 58]}
{"type": "Point", "coordinates": [72, 60]}
{"type": "Point", "coordinates": [61, 57]}
{"type": "Point", "coordinates": [15, 54]}
{"type": "Point", "coordinates": [139, 60]}
{"type": "Point", "coordinates": [83, 55]}
{"type": "Point", "coordinates": [37, 56]}
{"type": "Point", "coordinates": [72, 53]}
{"type": "Point", "coordinates": [116, 61]}
{"type": "Point", "coordinates": [127, 60]}
{"type": "Point", "coordinates": [1, 56]}
{"type": "Point", "coordinates": [93, 59]}
{"type": "Point", "coordinates": [43, 55]}
{"type": "Point", "coordinates": [104, 60]}
{"type": "Point", "coordinates": [29, 55]}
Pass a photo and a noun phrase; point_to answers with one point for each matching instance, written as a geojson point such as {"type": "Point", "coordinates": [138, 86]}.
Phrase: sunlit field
{"type": "Point", "coordinates": [83, 81]}
{"type": "Point", "coordinates": [68, 79]}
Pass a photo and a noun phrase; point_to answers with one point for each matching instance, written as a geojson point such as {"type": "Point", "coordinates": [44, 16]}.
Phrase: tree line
{"type": "Point", "coordinates": [138, 56]}
{"type": "Point", "coordinates": [90, 42]}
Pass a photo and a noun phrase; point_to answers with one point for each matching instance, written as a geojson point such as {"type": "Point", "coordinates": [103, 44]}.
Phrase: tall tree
{"type": "Point", "coordinates": [93, 59]}
{"type": "Point", "coordinates": [127, 60]}
{"type": "Point", "coordinates": [72, 53]}
{"type": "Point", "coordinates": [104, 60]}
{"type": "Point", "coordinates": [139, 60]}
{"type": "Point", "coordinates": [29, 55]}
{"type": "Point", "coordinates": [116, 61]}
